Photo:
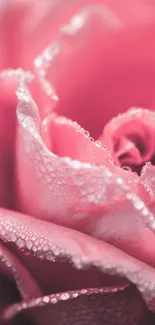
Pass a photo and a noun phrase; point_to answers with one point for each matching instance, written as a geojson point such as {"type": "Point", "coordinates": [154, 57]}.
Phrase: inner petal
{"type": "Point", "coordinates": [128, 153]}
{"type": "Point", "coordinates": [130, 138]}
{"type": "Point", "coordinates": [97, 87]}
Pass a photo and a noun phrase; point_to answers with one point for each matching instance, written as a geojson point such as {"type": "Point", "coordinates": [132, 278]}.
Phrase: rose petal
{"type": "Point", "coordinates": [129, 233]}
{"type": "Point", "coordinates": [12, 267]}
{"type": "Point", "coordinates": [132, 135]}
{"type": "Point", "coordinates": [88, 188]}
{"type": "Point", "coordinates": [109, 308]}
{"type": "Point", "coordinates": [16, 282]}
{"type": "Point", "coordinates": [44, 18]}
{"type": "Point", "coordinates": [148, 180]}
{"type": "Point", "coordinates": [86, 197]}
{"type": "Point", "coordinates": [100, 85]}
{"type": "Point", "coordinates": [22, 21]}
{"type": "Point", "coordinates": [66, 138]}
{"type": "Point", "coordinates": [8, 102]}
{"type": "Point", "coordinates": [81, 249]}
{"type": "Point", "coordinates": [9, 295]}
{"type": "Point", "coordinates": [9, 292]}
{"type": "Point", "coordinates": [12, 14]}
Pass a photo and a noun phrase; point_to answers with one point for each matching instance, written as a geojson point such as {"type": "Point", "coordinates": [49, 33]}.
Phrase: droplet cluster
{"type": "Point", "coordinates": [44, 248]}
{"type": "Point", "coordinates": [73, 184]}
{"type": "Point", "coordinates": [64, 296]}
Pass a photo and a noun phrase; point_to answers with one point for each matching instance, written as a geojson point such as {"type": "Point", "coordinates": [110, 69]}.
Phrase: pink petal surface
{"type": "Point", "coordinates": [148, 180]}
{"type": "Point", "coordinates": [80, 195]}
{"type": "Point", "coordinates": [62, 276]}
{"type": "Point", "coordinates": [100, 85]}
{"type": "Point", "coordinates": [21, 21]}
{"type": "Point", "coordinates": [12, 13]}
{"type": "Point", "coordinates": [38, 238]}
{"type": "Point", "coordinates": [85, 185]}
{"type": "Point", "coordinates": [76, 193]}
{"type": "Point", "coordinates": [44, 18]}
{"type": "Point", "coordinates": [8, 102]}
{"type": "Point", "coordinates": [128, 231]}
{"type": "Point", "coordinates": [48, 243]}
{"type": "Point", "coordinates": [66, 138]}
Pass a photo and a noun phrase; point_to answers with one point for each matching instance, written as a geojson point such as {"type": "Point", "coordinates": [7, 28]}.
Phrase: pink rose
{"type": "Point", "coordinates": [77, 179]}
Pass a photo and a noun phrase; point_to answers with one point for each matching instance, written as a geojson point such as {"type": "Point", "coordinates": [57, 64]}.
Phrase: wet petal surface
{"type": "Point", "coordinates": [110, 308]}
{"type": "Point", "coordinates": [51, 242]}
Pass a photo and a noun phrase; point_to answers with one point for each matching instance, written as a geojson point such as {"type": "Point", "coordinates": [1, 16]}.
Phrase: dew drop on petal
{"type": "Point", "coordinates": [64, 296]}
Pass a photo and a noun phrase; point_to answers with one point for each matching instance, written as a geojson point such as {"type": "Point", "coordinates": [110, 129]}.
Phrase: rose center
{"type": "Point", "coordinates": [130, 138]}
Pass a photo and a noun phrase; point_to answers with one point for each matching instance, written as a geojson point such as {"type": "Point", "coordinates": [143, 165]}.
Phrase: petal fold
{"type": "Point", "coordinates": [109, 308]}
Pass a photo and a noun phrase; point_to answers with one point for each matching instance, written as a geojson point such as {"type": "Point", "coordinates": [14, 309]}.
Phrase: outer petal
{"type": "Point", "coordinates": [8, 102]}
{"type": "Point", "coordinates": [12, 13]}
{"type": "Point", "coordinates": [55, 243]}
{"type": "Point", "coordinates": [22, 21]}
{"type": "Point", "coordinates": [100, 85]}
{"type": "Point", "coordinates": [16, 283]}
{"type": "Point", "coordinates": [9, 295]}
{"type": "Point", "coordinates": [80, 195]}
{"type": "Point", "coordinates": [13, 268]}
{"type": "Point", "coordinates": [113, 307]}
{"type": "Point", "coordinates": [86, 186]}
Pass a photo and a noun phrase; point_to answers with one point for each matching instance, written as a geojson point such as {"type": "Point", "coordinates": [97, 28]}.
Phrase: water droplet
{"type": "Point", "coordinates": [139, 204]}
{"type": "Point", "coordinates": [12, 236]}
{"type": "Point", "coordinates": [119, 181]}
{"type": "Point", "coordinates": [56, 251]}
{"type": "Point", "coordinates": [91, 198]}
{"type": "Point", "coordinates": [34, 248]}
{"type": "Point", "coordinates": [64, 296]}
{"type": "Point", "coordinates": [49, 167]}
{"type": "Point", "coordinates": [46, 299]}
{"type": "Point", "coordinates": [45, 247]}
{"type": "Point", "coordinates": [153, 225]}
{"type": "Point", "coordinates": [3, 232]}
{"type": "Point", "coordinates": [77, 262]}
{"type": "Point", "coordinates": [129, 195]}
{"type": "Point", "coordinates": [49, 256]}
{"type": "Point", "coordinates": [20, 242]}
{"type": "Point", "coordinates": [78, 180]}
{"type": "Point", "coordinates": [126, 168]}
{"type": "Point", "coordinates": [87, 134]}
{"type": "Point", "coordinates": [75, 295]}
{"type": "Point", "coordinates": [145, 212]}
{"type": "Point", "coordinates": [47, 179]}
{"type": "Point", "coordinates": [84, 291]}
{"type": "Point", "coordinates": [36, 242]}
{"type": "Point", "coordinates": [53, 300]}
{"type": "Point", "coordinates": [98, 143]}
{"type": "Point", "coordinates": [33, 238]}
{"type": "Point", "coordinates": [29, 244]}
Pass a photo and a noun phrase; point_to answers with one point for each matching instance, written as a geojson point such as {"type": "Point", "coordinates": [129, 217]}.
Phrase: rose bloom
{"type": "Point", "coordinates": [77, 156]}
